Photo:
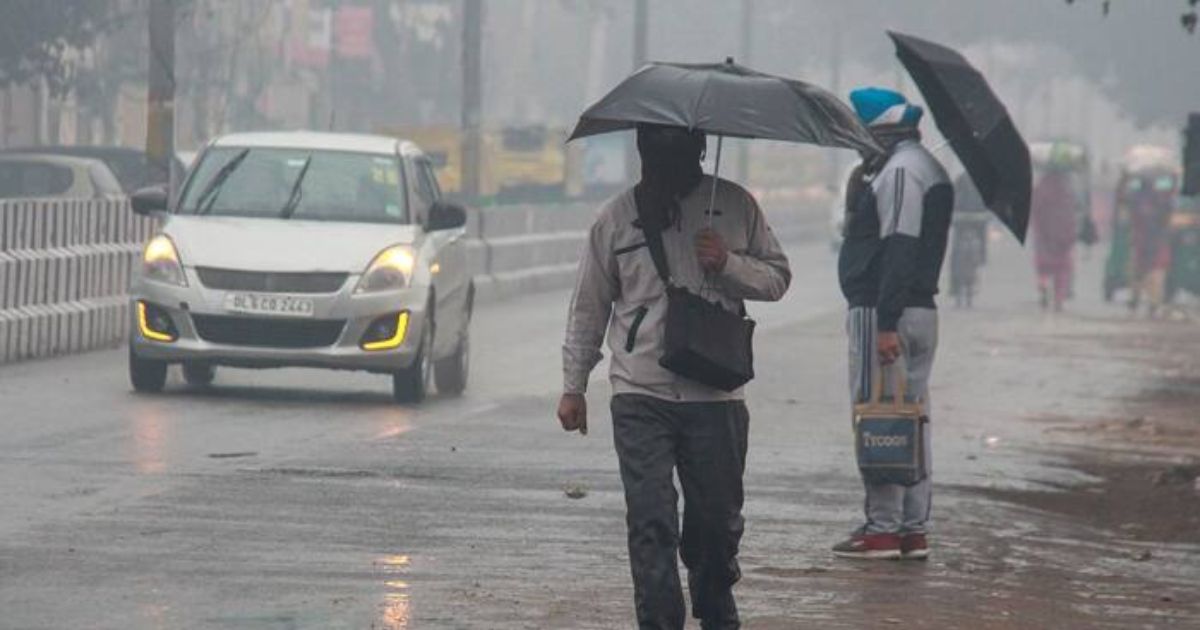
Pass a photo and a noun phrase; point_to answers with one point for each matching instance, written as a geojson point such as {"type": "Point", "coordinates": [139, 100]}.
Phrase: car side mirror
{"type": "Point", "coordinates": [446, 216]}
{"type": "Point", "coordinates": [149, 200]}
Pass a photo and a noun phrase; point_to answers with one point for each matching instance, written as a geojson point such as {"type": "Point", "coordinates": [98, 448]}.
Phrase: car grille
{"type": "Point", "coordinates": [268, 333]}
{"type": "Point", "coordinates": [271, 281]}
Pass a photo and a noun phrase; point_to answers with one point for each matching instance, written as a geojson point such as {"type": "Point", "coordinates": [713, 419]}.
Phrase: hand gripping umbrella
{"type": "Point", "coordinates": [726, 99]}
{"type": "Point", "coordinates": [976, 124]}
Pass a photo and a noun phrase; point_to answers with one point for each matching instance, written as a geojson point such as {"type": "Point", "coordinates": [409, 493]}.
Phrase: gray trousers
{"type": "Point", "coordinates": [894, 508]}
{"type": "Point", "coordinates": [705, 444]}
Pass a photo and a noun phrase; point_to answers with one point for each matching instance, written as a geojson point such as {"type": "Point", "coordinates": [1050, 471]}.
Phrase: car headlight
{"type": "Point", "coordinates": [160, 262]}
{"type": "Point", "coordinates": [392, 268]}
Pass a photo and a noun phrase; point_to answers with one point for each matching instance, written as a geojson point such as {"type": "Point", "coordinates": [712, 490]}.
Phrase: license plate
{"type": "Point", "coordinates": [267, 304]}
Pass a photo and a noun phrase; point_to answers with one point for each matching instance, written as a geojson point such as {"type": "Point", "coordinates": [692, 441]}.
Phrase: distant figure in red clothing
{"type": "Point", "coordinates": [1151, 202]}
{"type": "Point", "coordinates": [1057, 206]}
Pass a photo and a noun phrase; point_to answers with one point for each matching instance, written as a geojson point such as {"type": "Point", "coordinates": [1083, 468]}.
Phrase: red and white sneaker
{"type": "Point", "coordinates": [869, 547]}
{"type": "Point", "coordinates": [914, 547]}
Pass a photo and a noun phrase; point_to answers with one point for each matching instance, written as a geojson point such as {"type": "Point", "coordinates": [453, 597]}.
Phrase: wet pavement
{"type": "Point", "coordinates": [302, 499]}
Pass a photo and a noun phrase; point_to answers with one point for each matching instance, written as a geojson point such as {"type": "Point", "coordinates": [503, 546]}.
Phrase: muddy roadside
{"type": "Point", "coordinates": [1070, 446]}
{"type": "Point", "coordinates": [1143, 456]}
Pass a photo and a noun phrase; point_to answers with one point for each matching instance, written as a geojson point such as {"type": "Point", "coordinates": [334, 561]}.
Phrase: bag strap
{"type": "Point", "coordinates": [654, 242]}
{"type": "Point", "coordinates": [658, 254]}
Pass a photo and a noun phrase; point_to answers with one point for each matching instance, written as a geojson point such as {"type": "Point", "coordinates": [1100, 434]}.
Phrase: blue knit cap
{"type": "Point", "coordinates": [881, 106]}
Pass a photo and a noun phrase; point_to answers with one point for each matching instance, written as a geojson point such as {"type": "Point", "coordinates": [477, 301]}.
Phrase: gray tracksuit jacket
{"type": "Point", "coordinates": [897, 225]}
{"type": "Point", "coordinates": [619, 290]}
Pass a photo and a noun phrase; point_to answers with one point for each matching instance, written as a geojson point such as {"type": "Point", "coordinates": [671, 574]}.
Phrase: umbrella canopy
{"type": "Point", "coordinates": [976, 124]}
{"type": "Point", "coordinates": [726, 99]}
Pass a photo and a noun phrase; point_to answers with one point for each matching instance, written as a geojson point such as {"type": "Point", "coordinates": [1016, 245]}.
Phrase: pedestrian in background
{"type": "Point", "coordinates": [664, 423]}
{"type": "Point", "coordinates": [898, 213]}
{"type": "Point", "coordinates": [968, 250]}
{"type": "Point", "coordinates": [1056, 207]}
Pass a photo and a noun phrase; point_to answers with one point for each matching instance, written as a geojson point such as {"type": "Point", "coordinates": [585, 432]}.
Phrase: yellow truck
{"type": "Point", "coordinates": [516, 163]}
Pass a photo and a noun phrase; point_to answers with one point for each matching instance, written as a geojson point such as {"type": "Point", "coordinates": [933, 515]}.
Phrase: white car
{"type": "Point", "coordinates": [46, 176]}
{"type": "Point", "coordinates": [305, 249]}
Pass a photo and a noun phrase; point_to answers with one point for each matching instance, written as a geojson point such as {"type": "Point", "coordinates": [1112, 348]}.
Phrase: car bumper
{"type": "Point", "coordinates": [189, 307]}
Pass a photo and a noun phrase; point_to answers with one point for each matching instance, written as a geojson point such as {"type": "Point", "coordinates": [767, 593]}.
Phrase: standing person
{"type": "Point", "coordinates": [664, 423]}
{"type": "Point", "coordinates": [968, 251]}
{"type": "Point", "coordinates": [898, 221]}
{"type": "Point", "coordinates": [1055, 208]}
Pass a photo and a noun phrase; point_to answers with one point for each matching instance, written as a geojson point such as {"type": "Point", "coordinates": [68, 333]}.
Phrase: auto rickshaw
{"type": "Point", "coordinates": [1146, 168]}
{"type": "Point", "coordinates": [1184, 274]}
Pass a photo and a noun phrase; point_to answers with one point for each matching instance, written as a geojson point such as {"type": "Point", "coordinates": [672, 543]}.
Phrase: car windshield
{"type": "Point", "coordinates": [314, 185]}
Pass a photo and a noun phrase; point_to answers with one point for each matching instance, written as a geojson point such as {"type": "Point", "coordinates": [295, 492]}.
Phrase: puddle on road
{"type": "Point", "coordinates": [150, 437]}
{"type": "Point", "coordinates": [233, 455]}
{"type": "Point", "coordinates": [394, 613]}
{"type": "Point", "coordinates": [317, 473]}
{"type": "Point", "coordinates": [347, 474]}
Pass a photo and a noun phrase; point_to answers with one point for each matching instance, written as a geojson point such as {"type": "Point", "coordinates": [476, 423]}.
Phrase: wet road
{"type": "Point", "coordinates": [303, 499]}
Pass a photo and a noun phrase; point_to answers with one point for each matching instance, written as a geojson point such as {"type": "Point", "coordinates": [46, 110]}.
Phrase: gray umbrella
{"type": "Point", "coordinates": [726, 99]}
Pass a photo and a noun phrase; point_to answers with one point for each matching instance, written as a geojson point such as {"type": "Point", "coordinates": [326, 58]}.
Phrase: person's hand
{"type": "Point", "coordinates": [711, 251]}
{"type": "Point", "coordinates": [888, 346]}
{"type": "Point", "coordinates": [572, 413]}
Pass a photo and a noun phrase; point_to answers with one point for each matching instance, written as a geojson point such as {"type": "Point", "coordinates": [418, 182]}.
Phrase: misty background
{"type": "Point", "coordinates": [1065, 70]}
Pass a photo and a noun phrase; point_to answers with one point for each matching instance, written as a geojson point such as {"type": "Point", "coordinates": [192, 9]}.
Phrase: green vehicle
{"type": "Point", "coordinates": [1147, 168]}
{"type": "Point", "coordinates": [1116, 267]}
{"type": "Point", "coordinates": [1184, 274]}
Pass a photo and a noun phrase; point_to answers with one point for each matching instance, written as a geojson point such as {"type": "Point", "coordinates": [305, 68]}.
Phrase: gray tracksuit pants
{"type": "Point", "coordinates": [893, 508]}
{"type": "Point", "coordinates": [705, 444]}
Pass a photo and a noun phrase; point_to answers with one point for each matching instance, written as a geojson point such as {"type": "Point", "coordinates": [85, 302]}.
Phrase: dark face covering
{"type": "Point", "coordinates": [888, 136]}
{"type": "Point", "coordinates": [670, 169]}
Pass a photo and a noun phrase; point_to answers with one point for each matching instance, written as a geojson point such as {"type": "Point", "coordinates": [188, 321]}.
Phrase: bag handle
{"type": "Point", "coordinates": [900, 394]}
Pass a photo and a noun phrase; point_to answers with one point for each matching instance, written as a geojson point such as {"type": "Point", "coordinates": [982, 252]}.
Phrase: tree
{"type": "Point", "coordinates": [36, 37]}
{"type": "Point", "coordinates": [1188, 19]}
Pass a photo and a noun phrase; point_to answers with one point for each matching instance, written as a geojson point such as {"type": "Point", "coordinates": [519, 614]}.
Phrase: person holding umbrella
{"type": "Point", "coordinates": [899, 208]}
{"type": "Point", "coordinates": [663, 422]}
{"type": "Point", "coordinates": [664, 274]}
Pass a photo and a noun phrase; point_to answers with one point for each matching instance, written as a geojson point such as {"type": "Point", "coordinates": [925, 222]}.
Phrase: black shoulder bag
{"type": "Point", "coordinates": [703, 341]}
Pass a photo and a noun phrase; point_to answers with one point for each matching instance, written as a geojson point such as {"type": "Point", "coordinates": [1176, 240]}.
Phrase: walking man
{"type": "Point", "coordinates": [899, 208]}
{"type": "Point", "coordinates": [662, 422]}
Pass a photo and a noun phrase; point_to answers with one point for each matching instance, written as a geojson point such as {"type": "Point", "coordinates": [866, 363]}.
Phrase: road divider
{"type": "Point", "coordinates": [65, 265]}
{"type": "Point", "coordinates": [517, 250]}
{"type": "Point", "coordinates": [64, 274]}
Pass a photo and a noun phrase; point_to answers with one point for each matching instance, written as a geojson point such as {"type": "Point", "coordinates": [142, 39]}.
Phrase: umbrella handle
{"type": "Point", "coordinates": [712, 195]}
{"type": "Point", "coordinates": [712, 200]}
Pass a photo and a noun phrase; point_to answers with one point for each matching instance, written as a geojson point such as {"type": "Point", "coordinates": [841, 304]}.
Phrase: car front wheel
{"type": "Point", "coordinates": [411, 384]}
{"type": "Point", "coordinates": [451, 372]}
{"type": "Point", "coordinates": [146, 375]}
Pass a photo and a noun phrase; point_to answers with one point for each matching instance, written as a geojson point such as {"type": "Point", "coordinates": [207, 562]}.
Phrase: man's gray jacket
{"type": "Point", "coordinates": [619, 290]}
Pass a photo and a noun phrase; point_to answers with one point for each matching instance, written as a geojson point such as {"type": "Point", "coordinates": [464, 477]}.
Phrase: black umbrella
{"type": "Point", "coordinates": [726, 99]}
{"type": "Point", "coordinates": [976, 124]}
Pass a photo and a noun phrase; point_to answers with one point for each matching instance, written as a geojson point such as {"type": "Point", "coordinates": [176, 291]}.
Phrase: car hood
{"type": "Point", "coordinates": [281, 245]}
